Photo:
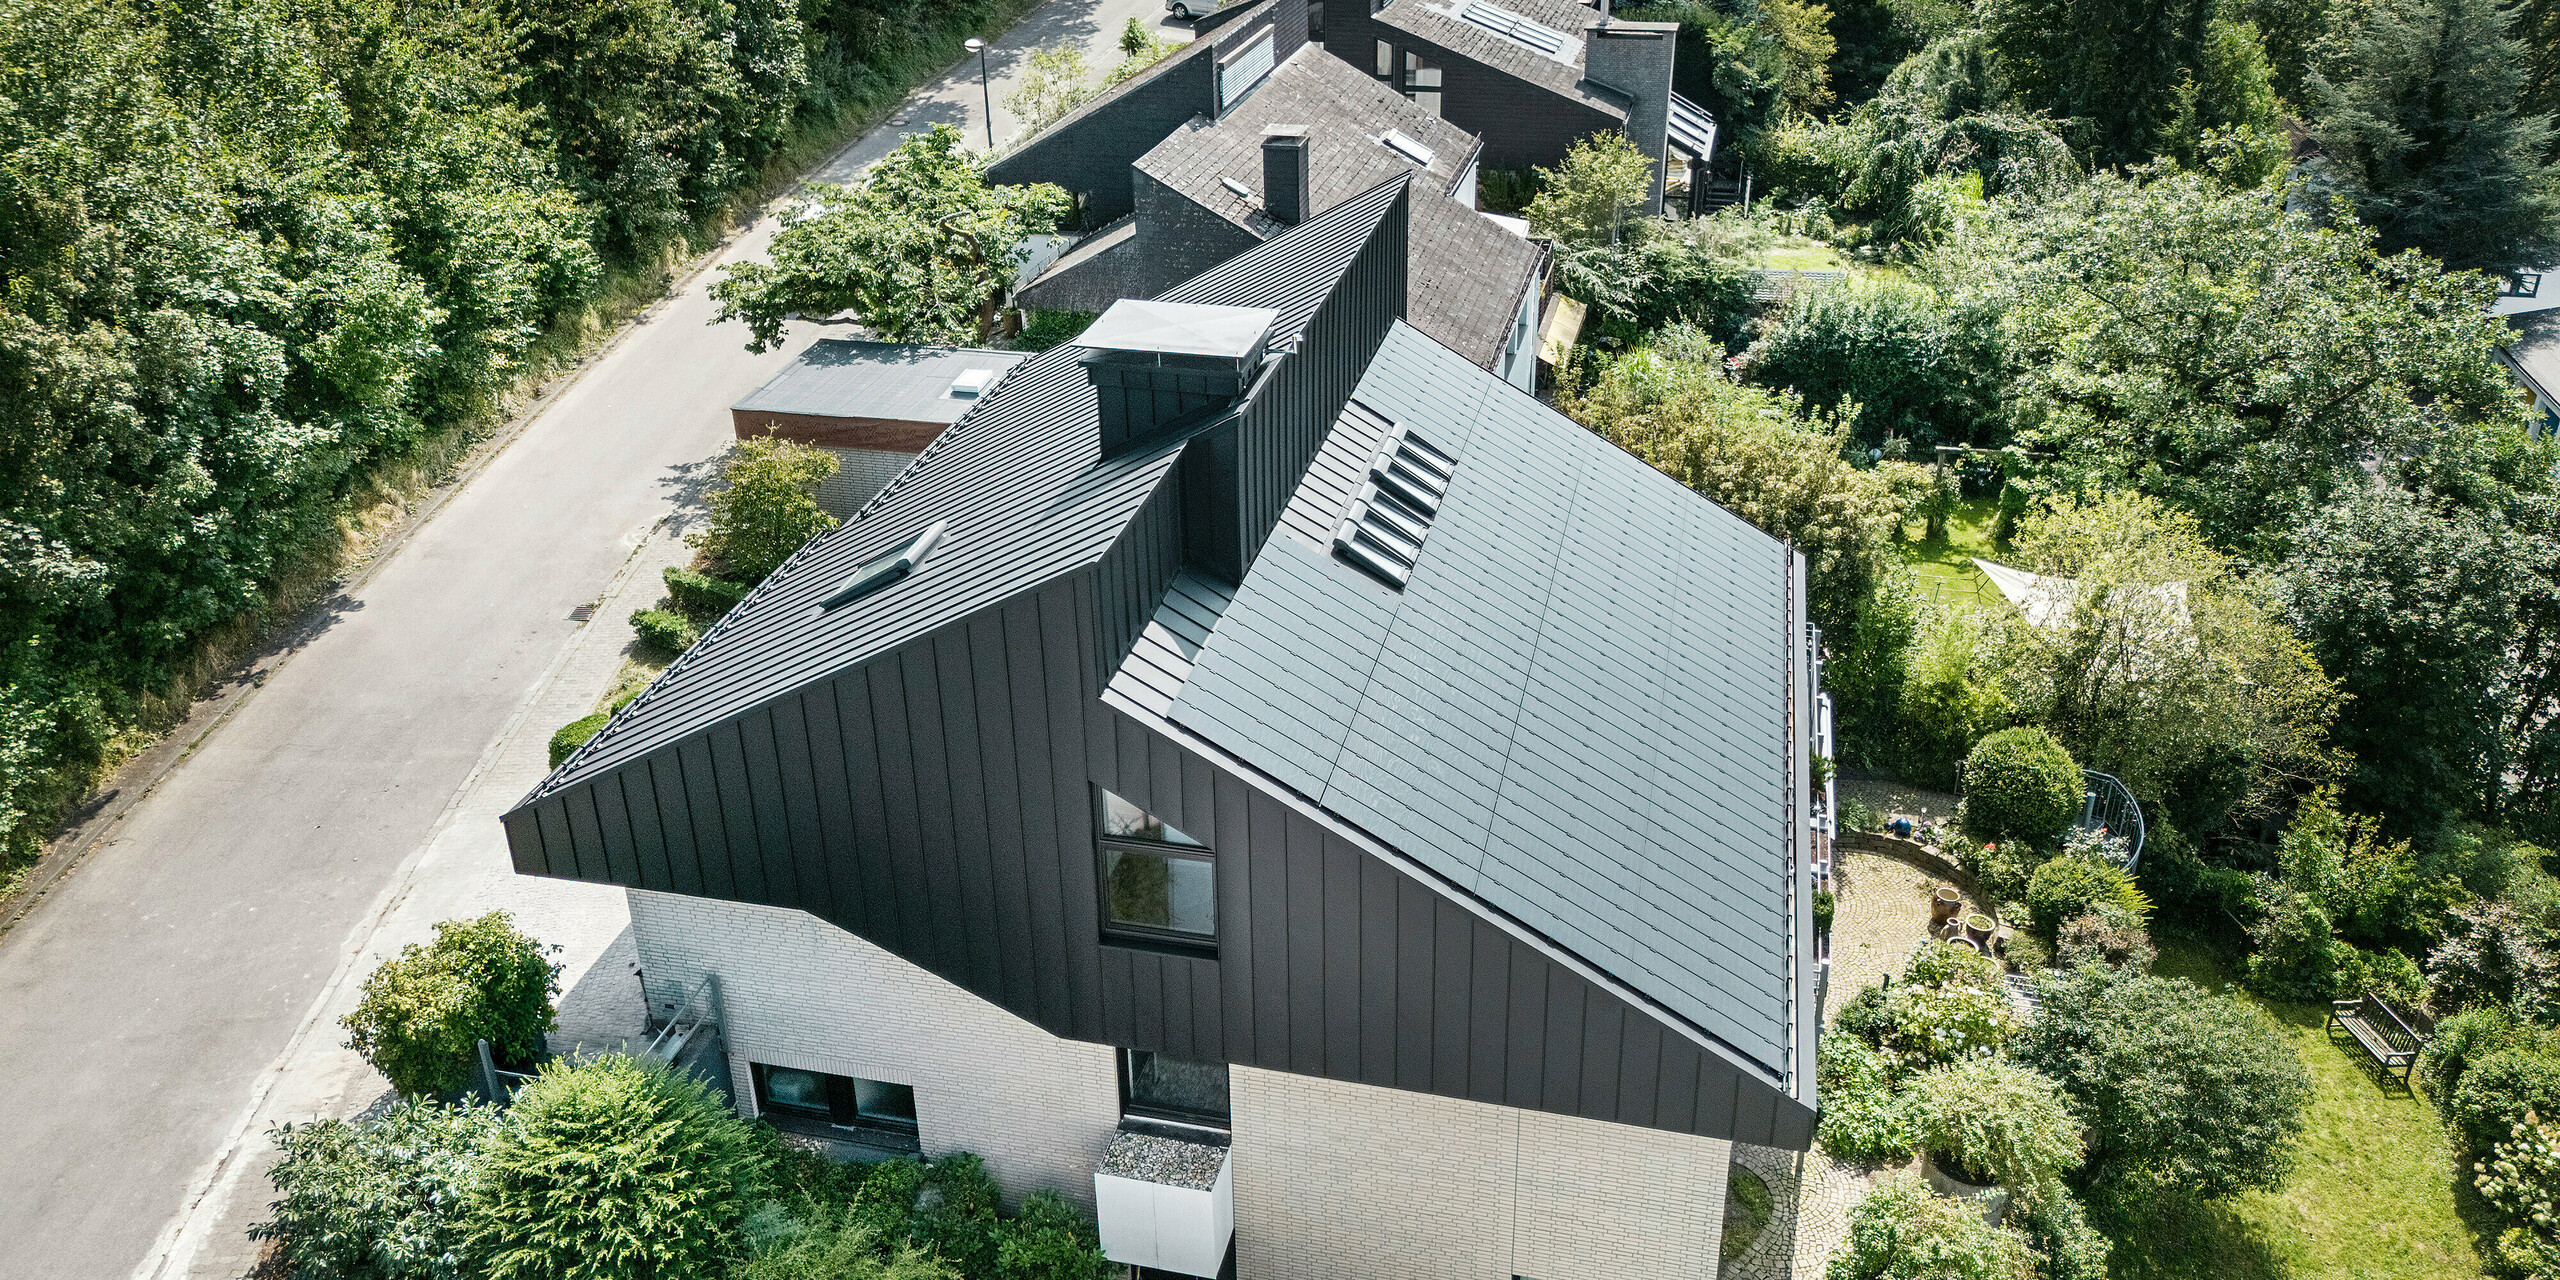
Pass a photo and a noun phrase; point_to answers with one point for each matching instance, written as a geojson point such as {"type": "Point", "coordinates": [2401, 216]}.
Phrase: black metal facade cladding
{"type": "Point", "coordinates": [935, 792]}
{"type": "Point", "coordinates": [1522, 123]}
{"type": "Point", "coordinates": [1090, 151]}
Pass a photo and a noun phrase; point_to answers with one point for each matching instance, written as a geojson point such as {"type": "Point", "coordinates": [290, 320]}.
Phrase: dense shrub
{"type": "Point", "coordinates": [1049, 1240]}
{"type": "Point", "coordinates": [2179, 1086]}
{"type": "Point", "coordinates": [1884, 346]}
{"type": "Point", "coordinates": [2066, 887]}
{"type": "Point", "coordinates": [575, 734]}
{"type": "Point", "coordinates": [1950, 1005]}
{"type": "Point", "coordinates": [1045, 329]}
{"type": "Point", "coordinates": [835, 1246]}
{"type": "Point", "coordinates": [2058, 1229]}
{"type": "Point", "coordinates": [422, 1012]}
{"type": "Point", "coordinates": [2521, 1179]}
{"type": "Point", "coordinates": [1903, 1231]}
{"type": "Point", "coordinates": [1949, 700]}
{"type": "Point", "coordinates": [767, 506]}
{"type": "Point", "coordinates": [2104, 937]}
{"type": "Point", "coordinates": [2464, 1038]}
{"type": "Point", "coordinates": [380, 1198]}
{"type": "Point", "coordinates": [615, 1167]}
{"type": "Point", "coordinates": [700, 596]}
{"type": "Point", "coordinates": [1997, 1122]}
{"type": "Point", "coordinates": [2019, 784]}
{"type": "Point", "coordinates": [2498, 953]}
{"type": "Point", "coordinates": [2498, 1089]}
{"type": "Point", "coordinates": [668, 632]}
{"type": "Point", "coordinates": [1864, 1119]}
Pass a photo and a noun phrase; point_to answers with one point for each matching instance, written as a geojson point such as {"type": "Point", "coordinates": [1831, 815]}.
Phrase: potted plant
{"type": "Point", "coordinates": [1991, 1129]}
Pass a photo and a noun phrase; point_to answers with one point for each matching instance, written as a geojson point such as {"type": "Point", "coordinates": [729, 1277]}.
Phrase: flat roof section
{"type": "Point", "coordinates": [902, 381]}
{"type": "Point", "coordinates": [1180, 328]}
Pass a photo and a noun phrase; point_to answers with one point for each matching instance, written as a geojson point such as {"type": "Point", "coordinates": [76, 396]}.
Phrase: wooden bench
{"type": "Point", "coordinates": [2388, 1036]}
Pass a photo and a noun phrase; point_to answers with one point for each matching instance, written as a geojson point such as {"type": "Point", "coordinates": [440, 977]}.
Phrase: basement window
{"type": "Point", "coordinates": [881, 571]}
{"type": "Point", "coordinates": [840, 1102]}
{"type": "Point", "coordinates": [1382, 533]}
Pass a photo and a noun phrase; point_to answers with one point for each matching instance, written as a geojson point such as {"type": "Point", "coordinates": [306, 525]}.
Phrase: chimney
{"type": "Point", "coordinates": [1284, 173]}
{"type": "Point", "coordinates": [1634, 59]}
{"type": "Point", "coordinates": [1158, 367]}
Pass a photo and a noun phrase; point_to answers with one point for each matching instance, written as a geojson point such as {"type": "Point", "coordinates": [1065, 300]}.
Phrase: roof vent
{"type": "Point", "coordinates": [972, 382]}
{"type": "Point", "coordinates": [880, 571]}
{"type": "Point", "coordinates": [1155, 364]}
{"type": "Point", "coordinates": [1408, 479]}
{"type": "Point", "coordinates": [1242, 192]}
{"type": "Point", "coordinates": [1408, 148]}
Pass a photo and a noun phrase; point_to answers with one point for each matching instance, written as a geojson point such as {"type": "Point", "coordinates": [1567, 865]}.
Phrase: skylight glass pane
{"type": "Point", "coordinates": [1503, 22]}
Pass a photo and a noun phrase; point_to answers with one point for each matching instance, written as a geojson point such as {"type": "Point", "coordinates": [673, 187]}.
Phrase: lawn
{"type": "Point", "coordinates": [1944, 564]}
{"type": "Point", "coordinates": [1795, 253]}
{"type": "Point", "coordinates": [2372, 1195]}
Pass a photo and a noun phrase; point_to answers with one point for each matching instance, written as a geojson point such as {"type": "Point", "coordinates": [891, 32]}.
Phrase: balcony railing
{"type": "Point", "coordinates": [2108, 808]}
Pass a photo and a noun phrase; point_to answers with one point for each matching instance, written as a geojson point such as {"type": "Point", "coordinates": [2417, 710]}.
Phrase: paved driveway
{"type": "Point", "coordinates": [143, 997]}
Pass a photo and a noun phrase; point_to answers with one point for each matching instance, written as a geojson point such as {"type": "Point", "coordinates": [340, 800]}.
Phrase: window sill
{"type": "Point", "coordinates": [880, 1138]}
{"type": "Point", "coordinates": [1202, 950]}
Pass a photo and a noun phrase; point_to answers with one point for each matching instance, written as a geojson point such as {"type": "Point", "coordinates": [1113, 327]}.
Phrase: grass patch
{"type": "Point", "coordinates": [1747, 1208]}
{"type": "Point", "coordinates": [1944, 564]}
{"type": "Point", "coordinates": [2375, 1194]}
{"type": "Point", "coordinates": [1795, 253]}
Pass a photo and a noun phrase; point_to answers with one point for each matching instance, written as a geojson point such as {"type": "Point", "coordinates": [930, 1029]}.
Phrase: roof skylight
{"type": "Point", "coordinates": [1407, 147]}
{"type": "Point", "coordinates": [881, 571]}
{"type": "Point", "coordinates": [1503, 22]}
{"type": "Point", "coordinates": [1383, 532]}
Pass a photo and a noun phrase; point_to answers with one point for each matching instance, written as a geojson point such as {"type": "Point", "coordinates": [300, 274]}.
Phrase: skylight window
{"type": "Point", "coordinates": [1408, 148]}
{"type": "Point", "coordinates": [972, 382]}
{"type": "Point", "coordinates": [1383, 532]}
{"type": "Point", "coordinates": [877, 573]}
{"type": "Point", "coordinates": [1505, 23]}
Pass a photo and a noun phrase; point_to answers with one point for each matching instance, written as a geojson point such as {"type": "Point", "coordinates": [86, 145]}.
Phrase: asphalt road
{"type": "Point", "coordinates": [143, 996]}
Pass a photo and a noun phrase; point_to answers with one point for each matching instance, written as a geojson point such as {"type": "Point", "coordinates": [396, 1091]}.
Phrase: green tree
{"type": "Point", "coordinates": [1055, 85]}
{"type": "Point", "coordinates": [422, 1013]}
{"type": "Point", "coordinates": [1904, 1231]}
{"type": "Point", "coordinates": [922, 249]}
{"type": "Point", "coordinates": [1890, 347]}
{"type": "Point", "coordinates": [2068, 887]}
{"type": "Point", "coordinates": [1134, 38]}
{"type": "Point", "coordinates": [379, 1197]}
{"type": "Point", "coordinates": [2179, 1087]}
{"type": "Point", "coordinates": [2019, 784]}
{"type": "Point", "coordinates": [2425, 129]}
{"type": "Point", "coordinates": [2114, 68]}
{"type": "Point", "coordinates": [614, 1167]}
{"type": "Point", "coordinates": [766, 508]}
{"type": "Point", "coordinates": [1586, 198]}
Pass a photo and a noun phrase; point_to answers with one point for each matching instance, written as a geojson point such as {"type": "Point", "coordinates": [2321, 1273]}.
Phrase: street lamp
{"type": "Point", "coordinates": [979, 47]}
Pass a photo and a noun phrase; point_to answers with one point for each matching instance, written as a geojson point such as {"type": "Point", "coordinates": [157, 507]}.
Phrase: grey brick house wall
{"type": "Point", "coordinates": [860, 474]}
{"type": "Point", "coordinates": [1333, 1181]}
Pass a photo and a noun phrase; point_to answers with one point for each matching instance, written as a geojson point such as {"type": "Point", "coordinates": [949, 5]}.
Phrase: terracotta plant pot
{"type": "Point", "coordinates": [1943, 906]}
{"type": "Point", "coordinates": [1978, 929]}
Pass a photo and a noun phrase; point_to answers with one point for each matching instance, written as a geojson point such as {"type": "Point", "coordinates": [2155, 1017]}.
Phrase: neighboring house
{"type": "Point", "coordinates": [1313, 134]}
{"type": "Point", "coordinates": [1532, 77]}
{"type": "Point", "coordinates": [874, 405]}
{"type": "Point", "coordinates": [1267, 779]}
{"type": "Point", "coordinates": [2534, 358]}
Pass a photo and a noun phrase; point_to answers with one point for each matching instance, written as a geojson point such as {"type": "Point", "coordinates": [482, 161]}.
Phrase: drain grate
{"type": "Point", "coordinates": [582, 613]}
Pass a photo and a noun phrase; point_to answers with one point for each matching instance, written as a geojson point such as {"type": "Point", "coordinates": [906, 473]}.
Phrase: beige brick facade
{"type": "Point", "coordinates": [799, 992]}
{"type": "Point", "coordinates": [1333, 1181]}
{"type": "Point", "coordinates": [1338, 1181]}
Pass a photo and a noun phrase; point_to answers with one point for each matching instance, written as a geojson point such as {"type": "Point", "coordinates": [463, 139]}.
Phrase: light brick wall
{"type": "Point", "coordinates": [1333, 1181]}
{"type": "Point", "coordinates": [860, 474]}
{"type": "Point", "coordinates": [799, 992]}
{"type": "Point", "coordinates": [1338, 1181]}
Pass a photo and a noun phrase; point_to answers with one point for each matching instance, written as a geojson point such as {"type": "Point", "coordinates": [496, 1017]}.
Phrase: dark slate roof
{"type": "Point", "coordinates": [1024, 495]}
{"type": "Point", "coordinates": [1575, 711]}
{"type": "Point", "coordinates": [840, 377]}
{"type": "Point", "coordinates": [1465, 275]}
{"type": "Point", "coordinates": [1437, 21]}
{"type": "Point", "coordinates": [2535, 354]}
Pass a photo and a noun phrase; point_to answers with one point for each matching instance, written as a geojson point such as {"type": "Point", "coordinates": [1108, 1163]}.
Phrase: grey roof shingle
{"type": "Point", "coordinates": [1509, 720]}
{"type": "Point", "coordinates": [1466, 274]}
{"type": "Point", "coordinates": [1437, 21]}
{"type": "Point", "coordinates": [841, 377]}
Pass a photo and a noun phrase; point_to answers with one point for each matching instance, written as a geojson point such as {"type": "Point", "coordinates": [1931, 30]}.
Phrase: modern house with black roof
{"type": "Point", "coordinates": [1267, 778]}
{"type": "Point", "coordinates": [1312, 134]}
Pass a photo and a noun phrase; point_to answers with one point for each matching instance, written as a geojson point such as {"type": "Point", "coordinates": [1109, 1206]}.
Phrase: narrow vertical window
{"type": "Point", "coordinates": [1386, 60]}
{"type": "Point", "coordinates": [1158, 883]}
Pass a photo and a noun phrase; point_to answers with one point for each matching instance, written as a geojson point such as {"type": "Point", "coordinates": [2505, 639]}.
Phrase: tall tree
{"type": "Point", "coordinates": [2426, 134]}
{"type": "Point", "coordinates": [2115, 68]}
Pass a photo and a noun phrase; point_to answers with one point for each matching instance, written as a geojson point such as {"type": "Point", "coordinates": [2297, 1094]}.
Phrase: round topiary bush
{"type": "Point", "coordinates": [421, 1013]}
{"type": "Point", "coordinates": [2019, 784]}
{"type": "Point", "coordinates": [2067, 887]}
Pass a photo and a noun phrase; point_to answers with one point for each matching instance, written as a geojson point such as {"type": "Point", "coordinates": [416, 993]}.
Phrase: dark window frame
{"type": "Point", "coordinates": [1132, 1110]}
{"type": "Point", "coordinates": [843, 1110]}
{"type": "Point", "coordinates": [1128, 933]}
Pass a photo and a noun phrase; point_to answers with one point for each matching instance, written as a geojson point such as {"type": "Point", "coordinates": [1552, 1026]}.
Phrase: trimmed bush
{"type": "Point", "coordinates": [575, 734]}
{"type": "Point", "coordinates": [380, 1198]}
{"type": "Point", "coordinates": [2019, 784]}
{"type": "Point", "coordinates": [668, 632]}
{"type": "Point", "coordinates": [2104, 937]}
{"type": "Point", "coordinates": [615, 1167]}
{"type": "Point", "coordinates": [700, 596]}
{"type": "Point", "coordinates": [2066, 887]}
{"type": "Point", "coordinates": [2498, 1090]}
{"type": "Point", "coordinates": [422, 1013]}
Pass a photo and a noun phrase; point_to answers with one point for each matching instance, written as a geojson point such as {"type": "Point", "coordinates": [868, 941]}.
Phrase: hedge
{"type": "Point", "coordinates": [665, 630]}
{"type": "Point", "coordinates": [700, 596]}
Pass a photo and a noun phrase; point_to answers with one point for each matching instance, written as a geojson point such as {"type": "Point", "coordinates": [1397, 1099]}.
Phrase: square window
{"type": "Point", "coordinates": [1156, 1087]}
{"type": "Point", "coordinates": [1158, 882]}
{"type": "Point", "coordinates": [1419, 74]}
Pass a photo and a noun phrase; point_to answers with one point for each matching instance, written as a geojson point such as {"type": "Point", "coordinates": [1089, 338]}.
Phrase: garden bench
{"type": "Point", "coordinates": [2384, 1033]}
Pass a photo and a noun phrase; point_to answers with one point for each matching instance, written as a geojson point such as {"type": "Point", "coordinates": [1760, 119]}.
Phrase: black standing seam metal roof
{"type": "Point", "coordinates": [909, 382]}
{"type": "Point", "coordinates": [1509, 720]}
{"type": "Point", "coordinates": [1018, 482]}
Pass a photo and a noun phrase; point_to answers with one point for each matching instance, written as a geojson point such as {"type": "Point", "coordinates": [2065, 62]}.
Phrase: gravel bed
{"type": "Point", "coordinates": [1168, 1162]}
